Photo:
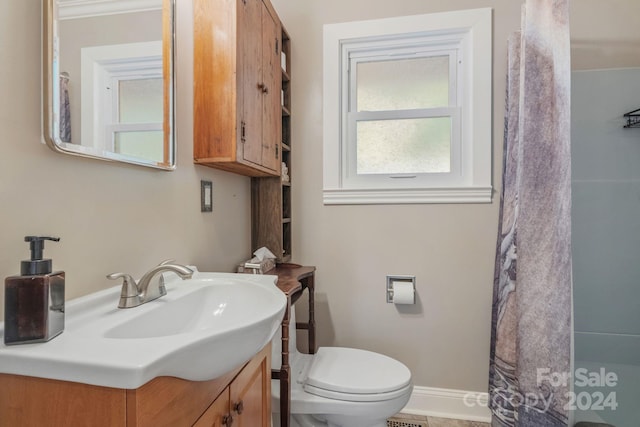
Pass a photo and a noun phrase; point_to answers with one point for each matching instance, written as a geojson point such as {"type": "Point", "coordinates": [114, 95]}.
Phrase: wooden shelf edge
{"type": "Point", "coordinates": [237, 167]}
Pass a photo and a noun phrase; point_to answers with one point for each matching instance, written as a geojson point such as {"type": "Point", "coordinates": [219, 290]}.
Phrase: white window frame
{"type": "Point", "coordinates": [464, 34]}
{"type": "Point", "coordinates": [135, 70]}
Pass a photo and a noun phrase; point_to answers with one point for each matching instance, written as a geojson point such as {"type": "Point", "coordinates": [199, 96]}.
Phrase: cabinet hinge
{"type": "Point", "coordinates": [277, 45]}
{"type": "Point", "coordinates": [277, 151]}
{"type": "Point", "coordinates": [243, 128]}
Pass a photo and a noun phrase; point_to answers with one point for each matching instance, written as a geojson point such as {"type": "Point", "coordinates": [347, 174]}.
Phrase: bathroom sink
{"type": "Point", "coordinates": [203, 328]}
{"type": "Point", "coordinates": [219, 307]}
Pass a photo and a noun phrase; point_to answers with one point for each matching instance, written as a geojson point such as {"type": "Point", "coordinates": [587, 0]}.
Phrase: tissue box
{"type": "Point", "coordinates": [257, 267]}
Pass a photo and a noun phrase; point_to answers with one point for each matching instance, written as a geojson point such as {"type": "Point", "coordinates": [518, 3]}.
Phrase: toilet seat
{"type": "Point", "coordinates": [355, 375]}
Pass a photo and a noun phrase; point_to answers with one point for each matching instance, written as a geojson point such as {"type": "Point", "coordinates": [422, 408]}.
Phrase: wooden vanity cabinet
{"type": "Point", "coordinates": [218, 414]}
{"type": "Point", "coordinates": [246, 402]}
{"type": "Point", "coordinates": [237, 86]}
{"type": "Point", "coordinates": [244, 395]}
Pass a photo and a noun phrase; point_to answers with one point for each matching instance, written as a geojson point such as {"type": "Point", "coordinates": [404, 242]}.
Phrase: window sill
{"type": "Point", "coordinates": [407, 196]}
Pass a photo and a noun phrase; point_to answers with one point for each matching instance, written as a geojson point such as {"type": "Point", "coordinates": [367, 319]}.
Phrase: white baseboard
{"type": "Point", "coordinates": [446, 403]}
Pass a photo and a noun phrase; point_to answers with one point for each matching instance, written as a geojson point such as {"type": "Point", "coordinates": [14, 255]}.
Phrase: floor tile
{"type": "Point", "coordinates": [436, 421]}
{"type": "Point", "coordinates": [448, 422]}
{"type": "Point", "coordinates": [410, 417]}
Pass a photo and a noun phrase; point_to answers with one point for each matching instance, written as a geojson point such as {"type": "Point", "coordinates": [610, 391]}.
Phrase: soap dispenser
{"type": "Point", "coordinates": [34, 301]}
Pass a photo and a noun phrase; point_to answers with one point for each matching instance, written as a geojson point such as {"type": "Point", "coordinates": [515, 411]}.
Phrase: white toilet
{"type": "Point", "coordinates": [340, 387]}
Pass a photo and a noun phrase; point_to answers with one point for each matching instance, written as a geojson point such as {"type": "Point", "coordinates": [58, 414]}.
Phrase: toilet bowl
{"type": "Point", "coordinates": [340, 387]}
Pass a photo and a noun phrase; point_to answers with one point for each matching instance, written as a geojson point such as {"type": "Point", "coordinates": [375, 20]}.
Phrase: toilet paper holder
{"type": "Point", "coordinates": [391, 279]}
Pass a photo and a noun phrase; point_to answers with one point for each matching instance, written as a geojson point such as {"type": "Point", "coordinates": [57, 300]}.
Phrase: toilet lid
{"type": "Point", "coordinates": [355, 372]}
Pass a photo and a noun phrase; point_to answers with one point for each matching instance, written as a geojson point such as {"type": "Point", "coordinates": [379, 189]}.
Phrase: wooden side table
{"type": "Point", "coordinates": [293, 279]}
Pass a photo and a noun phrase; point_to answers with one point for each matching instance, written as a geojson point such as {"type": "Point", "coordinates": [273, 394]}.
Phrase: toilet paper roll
{"type": "Point", "coordinates": [403, 293]}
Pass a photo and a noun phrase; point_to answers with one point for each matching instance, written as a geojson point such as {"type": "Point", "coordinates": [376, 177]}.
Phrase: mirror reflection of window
{"type": "Point", "coordinates": [122, 99]}
{"type": "Point", "coordinates": [137, 126]}
{"type": "Point", "coordinates": [140, 100]}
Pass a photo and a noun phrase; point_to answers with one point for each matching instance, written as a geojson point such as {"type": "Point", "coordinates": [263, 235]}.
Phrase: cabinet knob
{"type": "Point", "coordinates": [227, 420]}
{"type": "Point", "coordinates": [263, 88]}
{"type": "Point", "coordinates": [239, 407]}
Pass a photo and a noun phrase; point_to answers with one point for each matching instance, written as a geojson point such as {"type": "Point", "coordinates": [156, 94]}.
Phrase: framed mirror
{"type": "Point", "coordinates": [109, 81]}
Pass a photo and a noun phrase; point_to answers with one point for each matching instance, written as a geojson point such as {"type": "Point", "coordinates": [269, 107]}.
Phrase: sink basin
{"type": "Point", "coordinates": [219, 307]}
{"type": "Point", "coordinates": [203, 328]}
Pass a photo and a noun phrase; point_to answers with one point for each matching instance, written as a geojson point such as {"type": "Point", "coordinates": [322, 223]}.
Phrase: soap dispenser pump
{"type": "Point", "coordinates": [34, 301]}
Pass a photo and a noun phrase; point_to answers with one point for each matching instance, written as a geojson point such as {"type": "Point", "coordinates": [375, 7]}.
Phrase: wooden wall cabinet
{"type": "Point", "coordinates": [237, 86]}
{"type": "Point", "coordinates": [242, 107]}
{"type": "Point", "coordinates": [271, 197]}
{"type": "Point", "coordinates": [243, 395]}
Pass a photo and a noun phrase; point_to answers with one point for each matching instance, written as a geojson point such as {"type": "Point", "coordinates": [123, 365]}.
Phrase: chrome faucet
{"type": "Point", "coordinates": [151, 284]}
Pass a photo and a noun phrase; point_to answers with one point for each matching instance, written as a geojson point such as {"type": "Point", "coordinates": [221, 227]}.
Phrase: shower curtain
{"type": "Point", "coordinates": [531, 319]}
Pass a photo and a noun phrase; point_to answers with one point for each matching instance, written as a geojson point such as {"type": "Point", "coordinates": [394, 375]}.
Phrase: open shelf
{"type": "Point", "coordinates": [271, 197]}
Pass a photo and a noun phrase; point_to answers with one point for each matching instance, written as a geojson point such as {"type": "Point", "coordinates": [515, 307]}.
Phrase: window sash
{"type": "Point", "coordinates": [351, 116]}
{"type": "Point", "coordinates": [351, 179]}
{"type": "Point", "coordinates": [114, 128]}
{"type": "Point", "coordinates": [397, 54]}
{"type": "Point", "coordinates": [111, 119]}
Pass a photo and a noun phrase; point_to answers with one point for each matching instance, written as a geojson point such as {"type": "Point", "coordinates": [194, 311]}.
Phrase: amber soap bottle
{"type": "Point", "coordinates": [34, 301]}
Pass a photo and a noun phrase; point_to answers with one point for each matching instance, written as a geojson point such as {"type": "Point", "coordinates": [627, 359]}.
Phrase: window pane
{"type": "Point", "coordinates": [403, 84]}
{"type": "Point", "coordinates": [143, 144]}
{"type": "Point", "coordinates": [140, 101]}
{"type": "Point", "coordinates": [406, 146]}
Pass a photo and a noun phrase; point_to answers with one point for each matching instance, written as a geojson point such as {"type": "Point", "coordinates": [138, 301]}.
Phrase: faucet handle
{"type": "Point", "coordinates": [129, 287]}
{"type": "Point", "coordinates": [129, 295]}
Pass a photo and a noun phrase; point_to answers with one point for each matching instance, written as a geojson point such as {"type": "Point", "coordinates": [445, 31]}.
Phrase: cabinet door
{"type": "Point", "coordinates": [250, 397]}
{"type": "Point", "coordinates": [217, 415]}
{"type": "Point", "coordinates": [250, 45]}
{"type": "Point", "coordinates": [272, 78]}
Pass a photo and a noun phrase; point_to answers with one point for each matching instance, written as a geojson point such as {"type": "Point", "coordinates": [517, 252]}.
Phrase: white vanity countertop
{"type": "Point", "coordinates": [203, 328]}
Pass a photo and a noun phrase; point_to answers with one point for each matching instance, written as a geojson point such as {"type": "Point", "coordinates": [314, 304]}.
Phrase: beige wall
{"type": "Point", "coordinates": [110, 217]}
{"type": "Point", "coordinates": [450, 248]}
{"type": "Point", "coordinates": [605, 34]}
